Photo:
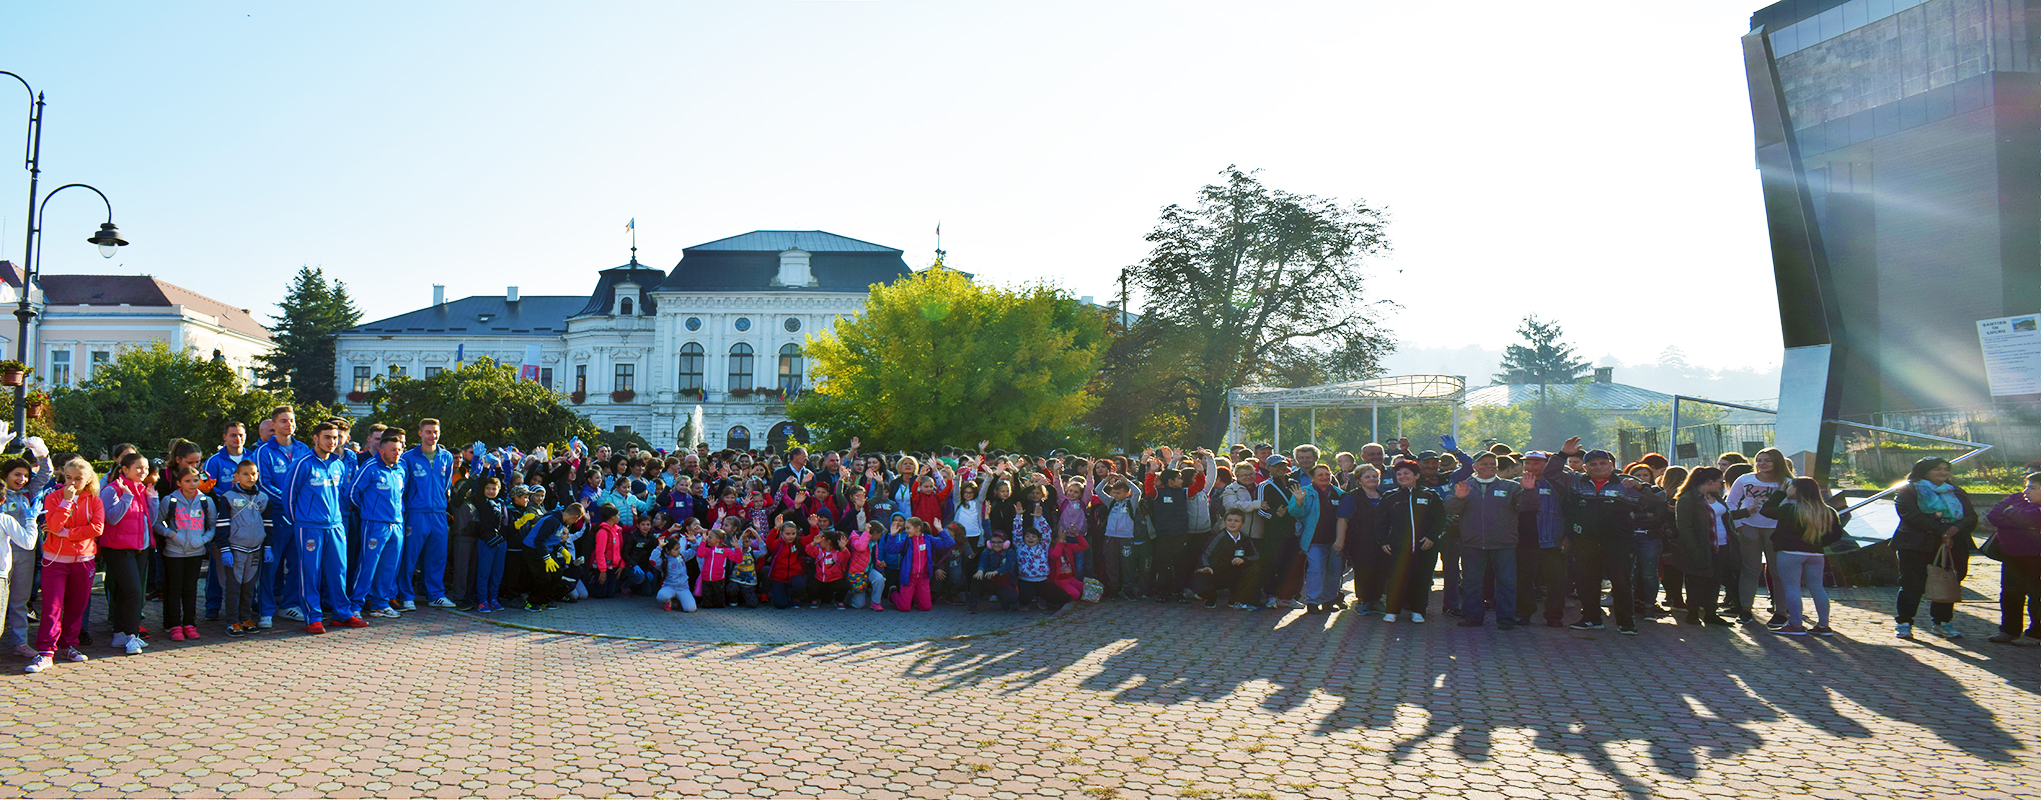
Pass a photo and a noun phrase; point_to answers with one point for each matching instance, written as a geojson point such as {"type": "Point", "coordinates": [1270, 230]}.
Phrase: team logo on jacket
{"type": "Point", "coordinates": [311, 544]}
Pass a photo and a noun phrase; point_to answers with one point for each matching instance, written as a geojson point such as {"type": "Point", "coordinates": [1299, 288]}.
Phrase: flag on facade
{"type": "Point", "coordinates": [460, 355]}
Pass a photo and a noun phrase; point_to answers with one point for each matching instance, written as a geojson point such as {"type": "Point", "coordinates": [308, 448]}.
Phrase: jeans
{"type": "Point", "coordinates": [65, 588]}
{"type": "Point", "coordinates": [1597, 557]}
{"type": "Point", "coordinates": [20, 586]}
{"type": "Point", "coordinates": [2019, 591]}
{"type": "Point", "coordinates": [424, 551]}
{"type": "Point", "coordinates": [1479, 563]}
{"type": "Point", "coordinates": [214, 594]}
{"type": "Point", "coordinates": [1754, 548]}
{"type": "Point", "coordinates": [489, 571]}
{"type": "Point", "coordinates": [1913, 583]}
{"type": "Point", "coordinates": [1005, 590]}
{"type": "Point", "coordinates": [1801, 572]}
{"type": "Point", "coordinates": [785, 594]}
{"type": "Point", "coordinates": [124, 587]}
{"type": "Point", "coordinates": [1644, 578]}
{"type": "Point", "coordinates": [375, 577]}
{"type": "Point", "coordinates": [1321, 573]}
{"type": "Point", "coordinates": [870, 598]}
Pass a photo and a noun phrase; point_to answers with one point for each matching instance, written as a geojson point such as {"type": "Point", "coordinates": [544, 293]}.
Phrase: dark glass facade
{"type": "Point", "coordinates": [1916, 139]}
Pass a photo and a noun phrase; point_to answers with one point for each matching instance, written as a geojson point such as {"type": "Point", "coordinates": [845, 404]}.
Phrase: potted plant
{"type": "Point", "coordinates": [12, 372]}
{"type": "Point", "coordinates": [740, 392]}
{"type": "Point", "coordinates": [622, 396]}
{"type": "Point", "coordinates": [578, 397]}
{"type": "Point", "coordinates": [357, 397]}
{"type": "Point", "coordinates": [36, 403]}
{"type": "Point", "coordinates": [695, 393]}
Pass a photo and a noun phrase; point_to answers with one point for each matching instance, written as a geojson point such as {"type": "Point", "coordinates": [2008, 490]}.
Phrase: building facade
{"type": "Point", "coordinates": [1899, 143]}
{"type": "Point", "coordinates": [84, 321]}
{"type": "Point", "coordinates": [722, 331]}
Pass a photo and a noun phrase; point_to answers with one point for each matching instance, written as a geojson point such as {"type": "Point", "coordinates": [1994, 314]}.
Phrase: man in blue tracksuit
{"type": "Point", "coordinates": [319, 537]}
{"type": "Point", "coordinates": [220, 469]}
{"type": "Point", "coordinates": [274, 459]}
{"type": "Point", "coordinates": [428, 481]}
{"type": "Point", "coordinates": [376, 492]}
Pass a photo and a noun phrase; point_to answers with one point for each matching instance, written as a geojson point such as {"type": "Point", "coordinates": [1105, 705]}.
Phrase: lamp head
{"type": "Point", "coordinates": [108, 239]}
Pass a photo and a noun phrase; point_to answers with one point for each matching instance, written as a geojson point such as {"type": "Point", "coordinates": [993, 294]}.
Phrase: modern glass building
{"type": "Point", "coordinates": [1900, 142]}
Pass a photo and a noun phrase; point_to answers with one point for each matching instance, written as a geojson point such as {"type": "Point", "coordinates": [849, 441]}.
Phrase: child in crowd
{"type": "Point", "coordinates": [915, 561]}
{"type": "Point", "coordinates": [75, 519]}
{"type": "Point", "coordinates": [672, 557]}
{"type": "Point", "coordinates": [832, 562]}
{"type": "Point", "coordinates": [954, 567]}
{"type": "Point", "coordinates": [491, 521]}
{"type": "Point", "coordinates": [606, 562]}
{"type": "Point", "coordinates": [996, 574]}
{"type": "Point", "coordinates": [243, 545]}
{"type": "Point", "coordinates": [787, 579]}
{"type": "Point", "coordinates": [743, 589]}
{"type": "Point", "coordinates": [862, 574]}
{"type": "Point", "coordinates": [184, 528]}
{"type": "Point", "coordinates": [1228, 563]}
{"type": "Point", "coordinates": [641, 543]}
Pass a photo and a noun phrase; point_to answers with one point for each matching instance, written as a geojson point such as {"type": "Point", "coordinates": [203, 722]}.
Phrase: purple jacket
{"type": "Point", "coordinates": [2018, 521]}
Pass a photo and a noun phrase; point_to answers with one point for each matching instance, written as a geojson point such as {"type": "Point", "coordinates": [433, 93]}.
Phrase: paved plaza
{"type": "Point", "coordinates": [1125, 700]}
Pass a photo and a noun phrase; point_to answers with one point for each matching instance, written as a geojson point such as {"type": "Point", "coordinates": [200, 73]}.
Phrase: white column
{"type": "Point", "coordinates": [1375, 421]}
{"type": "Point", "coordinates": [1456, 419]}
{"type": "Point", "coordinates": [1314, 426]}
{"type": "Point", "coordinates": [1278, 441]}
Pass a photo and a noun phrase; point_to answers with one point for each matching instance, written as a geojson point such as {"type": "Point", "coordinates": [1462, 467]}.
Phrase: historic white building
{"type": "Point", "coordinates": [85, 321]}
{"type": "Point", "coordinates": [722, 331]}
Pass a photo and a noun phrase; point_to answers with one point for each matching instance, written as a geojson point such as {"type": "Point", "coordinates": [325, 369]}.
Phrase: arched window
{"type": "Point", "coordinates": [740, 366]}
{"type": "Point", "coordinates": [790, 367]}
{"type": "Point", "coordinates": [691, 362]}
{"type": "Point", "coordinates": [739, 439]}
{"type": "Point", "coordinates": [624, 307]}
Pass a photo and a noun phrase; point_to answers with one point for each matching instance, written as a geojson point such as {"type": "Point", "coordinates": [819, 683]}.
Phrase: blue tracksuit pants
{"type": "Point", "coordinates": [375, 574]}
{"type": "Point", "coordinates": [321, 574]}
{"type": "Point", "coordinates": [424, 551]}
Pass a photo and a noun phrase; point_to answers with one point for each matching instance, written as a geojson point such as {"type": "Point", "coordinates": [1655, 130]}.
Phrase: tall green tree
{"type": "Point", "coordinates": [482, 401]}
{"type": "Point", "coordinates": [312, 314]}
{"type": "Point", "coordinates": [1254, 285]}
{"type": "Point", "coordinates": [1544, 360]}
{"type": "Point", "coordinates": [148, 396]}
{"type": "Point", "coordinates": [936, 359]}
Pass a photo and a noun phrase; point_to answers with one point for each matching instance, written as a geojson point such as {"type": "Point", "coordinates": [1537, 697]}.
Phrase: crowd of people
{"type": "Point", "coordinates": [328, 530]}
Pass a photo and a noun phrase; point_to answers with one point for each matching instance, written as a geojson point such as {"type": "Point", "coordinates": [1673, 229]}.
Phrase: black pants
{"type": "Point", "coordinates": [1410, 581]}
{"type": "Point", "coordinates": [741, 594]}
{"type": "Point", "coordinates": [1122, 567]}
{"type": "Point", "coordinates": [1675, 583]}
{"type": "Point", "coordinates": [1371, 570]}
{"type": "Point", "coordinates": [1913, 583]}
{"type": "Point", "coordinates": [1170, 578]}
{"type": "Point", "coordinates": [1546, 566]}
{"type": "Point", "coordinates": [1611, 558]}
{"type": "Point", "coordinates": [544, 586]}
{"type": "Point", "coordinates": [828, 591]}
{"type": "Point", "coordinates": [2019, 591]}
{"type": "Point", "coordinates": [1274, 569]}
{"type": "Point", "coordinates": [1005, 590]}
{"type": "Point", "coordinates": [1051, 594]}
{"type": "Point", "coordinates": [1238, 582]}
{"type": "Point", "coordinates": [712, 595]}
{"type": "Point", "coordinates": [124, 588]}
{"type": "Point", "coordinates": [180, 590]}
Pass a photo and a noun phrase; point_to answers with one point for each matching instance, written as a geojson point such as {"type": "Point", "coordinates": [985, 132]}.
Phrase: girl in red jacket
{"type": "Point", "coordinates": [786, 580]}
{"type": "Point", "coordinates": [830, 583]}
{"type": "Point", "coordinates": [75, 519]}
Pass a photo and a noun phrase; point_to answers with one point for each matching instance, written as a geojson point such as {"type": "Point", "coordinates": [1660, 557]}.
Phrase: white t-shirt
{"type": "Point", "coordinates": [1749, 493]}
{"type": "Point", "coordinates": [1721, 514]}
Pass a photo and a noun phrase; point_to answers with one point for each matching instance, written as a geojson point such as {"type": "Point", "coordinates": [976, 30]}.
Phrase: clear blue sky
{"type": "Point", "coordinates": [1590, 161]}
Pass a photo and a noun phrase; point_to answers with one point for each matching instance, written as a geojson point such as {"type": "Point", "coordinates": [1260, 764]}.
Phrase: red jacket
{"type": "Point", "coordinates": [786, 559]}
{"type": "Point", "coordinates": [929, 505]}
{"type": "Point", "coordinates": [830, 565]}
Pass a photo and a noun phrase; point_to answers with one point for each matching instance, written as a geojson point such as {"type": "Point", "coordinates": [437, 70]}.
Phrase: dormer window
{"type": "Point", "coordinates": [624, 306]}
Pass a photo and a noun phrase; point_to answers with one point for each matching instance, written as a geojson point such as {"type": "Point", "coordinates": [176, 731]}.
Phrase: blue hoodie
{"type": "Point", "coordinates": [377, 490]}
{"type": "Point", "coordinates": [312, 493]}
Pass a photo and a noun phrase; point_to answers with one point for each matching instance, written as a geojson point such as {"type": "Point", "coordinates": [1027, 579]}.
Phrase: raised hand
{"type": "Point", "coordinates": [1571, 446]}
{"type": "Point", "coordinates": [1462, 489]}
{"type": "Point", "coordinates": [1449, 443]}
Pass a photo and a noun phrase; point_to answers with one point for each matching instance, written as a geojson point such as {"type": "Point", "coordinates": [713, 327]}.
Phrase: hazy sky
{"type": "Point", "coordinates": [1590, 161]}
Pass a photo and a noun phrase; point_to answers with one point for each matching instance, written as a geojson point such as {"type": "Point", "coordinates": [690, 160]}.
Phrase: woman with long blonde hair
{"type": "Point", "coordinates": [75, 518]}
{"type": "Point", "coordinates": [1806, 527]}
{"type": "Point", "coordinates": [1754, 531]}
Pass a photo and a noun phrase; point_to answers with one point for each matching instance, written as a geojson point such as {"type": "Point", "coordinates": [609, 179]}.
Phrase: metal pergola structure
{"type": "Point", "coordinates": [1375, 394]}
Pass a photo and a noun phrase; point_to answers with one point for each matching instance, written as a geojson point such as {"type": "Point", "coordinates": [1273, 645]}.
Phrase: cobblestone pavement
{"type": "Point", "coordinates": [1126, 700]}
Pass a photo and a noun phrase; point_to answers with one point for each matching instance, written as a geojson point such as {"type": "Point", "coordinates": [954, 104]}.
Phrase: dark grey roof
{"type": "Point", "coordinates": [647, 278]}
{"type": "Point", "coordinates": [1599, 397]}
{"type": "Point", "coordinates": [540, 315]}
{"type": "Point", "coordinates": [749, 262]}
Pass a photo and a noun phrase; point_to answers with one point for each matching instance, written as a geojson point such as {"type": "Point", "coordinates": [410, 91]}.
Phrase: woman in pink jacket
{"type": "Point", "coordinates": [129, 504]}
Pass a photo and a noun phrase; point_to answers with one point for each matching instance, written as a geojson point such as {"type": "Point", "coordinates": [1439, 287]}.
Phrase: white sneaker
{"type": "Point", "coordinates": [441, 602]}
{"type": "Point", "coordinates": [406, 605]}
{"type": "Point", "coordinates": [41, 662]}
{"type": "Point", "coordinates": [134, 645]}
{"type": "Point", "coordinates": [389, 613]}
{"type": "Point", "coordinates": [265, 623]}
{"type": "Point", "coordinates": [1388, 617]}
{"type": "Point", "coordinates": [1416, 617]}
{"type": "Point", "coordinates": [26, 650]}
{"type": "Point", "coordinates": [120, 640]}
{"type": "Point", "coordinates": [292, 613]}
{"type": "Point", "coordinates": [72, 655]}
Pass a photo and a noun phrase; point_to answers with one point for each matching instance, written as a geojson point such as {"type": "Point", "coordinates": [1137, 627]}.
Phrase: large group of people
{"type": "Point", "coordinates": [329, 530]}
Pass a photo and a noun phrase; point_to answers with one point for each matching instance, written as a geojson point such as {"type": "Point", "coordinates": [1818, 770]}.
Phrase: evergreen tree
{"type": "Point", "coordinates": [313, 312]}
{"type": "Point", "coordinates": [1545, 361]}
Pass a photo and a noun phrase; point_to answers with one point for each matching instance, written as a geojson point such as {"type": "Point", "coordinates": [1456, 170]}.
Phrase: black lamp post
{"type": "Point", "coordinates": [108, 239]}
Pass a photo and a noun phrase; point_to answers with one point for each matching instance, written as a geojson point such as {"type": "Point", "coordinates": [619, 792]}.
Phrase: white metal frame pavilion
{"type": "Point", "coordinates": [1375, 394]}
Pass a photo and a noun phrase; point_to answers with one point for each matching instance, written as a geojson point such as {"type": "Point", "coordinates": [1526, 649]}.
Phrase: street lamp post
{"type": "Point", "coordinates": [108, 239]}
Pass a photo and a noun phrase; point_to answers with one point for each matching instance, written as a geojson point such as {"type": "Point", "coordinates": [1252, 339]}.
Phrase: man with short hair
{"type": "Point", "coordinates": [428, 484]}
{"type": "Point", "coordinates": [1279, 532]}
{"type": "Point", "coordinates": [377, 494]}
{"type": "Point", "coordinates": [312, 492]}
{"type": "Point", "coordinates": [219, 468]}
{"type": "Point", "coordinates": [1486, 506]}
{"type": "Point", "coordinates": [796, 470]}
{"type": "Point", "coordinates": [1542, 545]}
{"type": "Point", "coordinates": [278, 592]}
{"type": "Point", "coordinates": [1602, 508]}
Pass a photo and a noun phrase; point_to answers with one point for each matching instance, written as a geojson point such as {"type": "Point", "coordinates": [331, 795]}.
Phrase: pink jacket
{"type": "Point", "coordinates": [609, 546]}
{"type": "Point", "coordinates": [715, 563]}
{"type": "Point", "coordinates": [128, 509]}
